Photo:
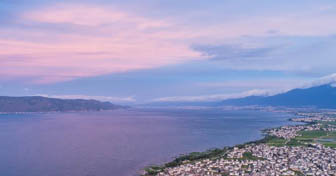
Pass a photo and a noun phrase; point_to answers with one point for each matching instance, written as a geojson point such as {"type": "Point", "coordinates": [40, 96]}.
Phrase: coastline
{"type": "Point", "coordinates": [290, 149]}
{"type": "Point", "coordinates": [213, 153]}
{"type": "Point", "coordinates": [55, 112]}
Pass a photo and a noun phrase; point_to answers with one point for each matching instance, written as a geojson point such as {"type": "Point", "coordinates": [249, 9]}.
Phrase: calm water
{"type": "Point", "coordinates": [118, 143]}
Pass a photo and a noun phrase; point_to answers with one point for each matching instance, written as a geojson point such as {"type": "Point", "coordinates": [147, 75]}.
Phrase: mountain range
{"type": "Point", "coordinates": [322, 96]}
{"type": "Point", "coordinates": [43, 104]}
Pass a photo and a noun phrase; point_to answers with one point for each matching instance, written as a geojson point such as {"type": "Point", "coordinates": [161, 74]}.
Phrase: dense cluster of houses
{"type": "Point", "coordinates": [289, 132]}
{"type": "Point", "coordinates": [266, 160]}
{"type": "Point", "coordinates": [313, 117]}
{"type": "Point", "coordinates": [315, 160]}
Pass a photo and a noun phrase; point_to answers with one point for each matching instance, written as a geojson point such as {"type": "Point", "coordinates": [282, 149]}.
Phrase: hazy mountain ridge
{"type": "Point", "coordinates": [323, 96]}
{"type": "Point", "coordinates": [43, 104]}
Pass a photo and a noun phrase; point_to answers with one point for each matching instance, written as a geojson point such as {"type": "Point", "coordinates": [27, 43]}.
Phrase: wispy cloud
{"type": "Point", "coordinates": [99, 40]}
{"type": "Point", "coordinates": [220, 52]}
{"type": "Point", "coordinates": [91, 15]}
{"type": "Point", "coordinates": [217, 97]}
{"type": "Point", "coordinates": [254, 84]}
{"type": "Point", "coordinates": [69, 40]}
{"type": "Point", "coordinates": [329, 79]}
{"type": "Point", "coordinates": [304, 55]}
{"type": "Point", "coordinates": [270, 88]}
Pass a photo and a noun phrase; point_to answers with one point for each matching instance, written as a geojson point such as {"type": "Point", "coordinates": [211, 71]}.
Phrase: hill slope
{"type": "Point", "coordinates": [43, 104]}
{"type": "Point", "coordinates": [323, 96]}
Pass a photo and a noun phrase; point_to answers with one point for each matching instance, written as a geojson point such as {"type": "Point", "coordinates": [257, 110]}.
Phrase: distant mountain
{"type": "Point", "coordinates": [323, 96]}
{"type": "Point", "coordinates": [43, 104]}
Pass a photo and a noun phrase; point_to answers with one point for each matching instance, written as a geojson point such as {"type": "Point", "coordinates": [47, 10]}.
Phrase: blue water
{"type": "Point", "coordinates": [119, 142]}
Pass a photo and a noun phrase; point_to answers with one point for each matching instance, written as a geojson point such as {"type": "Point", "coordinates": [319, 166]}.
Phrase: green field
{"type": "Point", "coordinates": [329, 123]}
{"type": "Point", "coordinates": [277, 142]}
{"type": "Point", "coordinates": [323, 137]}
{"type": "Point", "coordinates": [280, 142]}
{"type": "Point", "coordinates": [305, 138]}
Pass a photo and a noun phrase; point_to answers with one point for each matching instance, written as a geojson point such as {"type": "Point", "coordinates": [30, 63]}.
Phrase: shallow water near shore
{"type": "Point", "coordinates": [120, 142]}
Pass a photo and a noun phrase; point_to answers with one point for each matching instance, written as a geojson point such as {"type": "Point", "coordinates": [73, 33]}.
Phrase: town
{"type": "Point", "coordinates": [304, 149]}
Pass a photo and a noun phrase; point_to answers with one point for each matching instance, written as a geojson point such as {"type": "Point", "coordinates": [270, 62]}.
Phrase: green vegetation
{"type": "Point", "coordinates": [246, 156]}
{"type": "Point", "coordinates": [311, 134]}
{"type": "Point", "coordinates": [153, 170]}
{"type": "Point", "coordinates": [276, 141]}
{"type": "Point", "coordinates": [249, 156]}
{"type": "Point", "coordinates": [333, 145]}
{"type": "Point", "coordinates": [305, 139]}
{"type": "Point", "coordinates": [329, 123]}
{"type": "Point", "coordinates": [191, 157]}
{"type": "Point", "coordinates": [267, 139]}
{"type": "Point", "coordinates": [318, 136]}
{"type": "Point", "coordinates": [43, 104]}
{"type": "Point", "coordinates": [295, 143]}
{"type": "Point", "coordinates": [194, 156]}
{"type": "Point", "coordinates": [298, 173]}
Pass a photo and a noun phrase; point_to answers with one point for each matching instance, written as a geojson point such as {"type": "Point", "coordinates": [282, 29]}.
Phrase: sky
{"type": "Point", "coordinates": [131, 52]}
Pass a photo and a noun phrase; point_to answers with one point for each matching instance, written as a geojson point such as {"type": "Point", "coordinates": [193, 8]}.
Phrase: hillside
{"type": "Point", "coordinates": [43, 104]}
{"type": "Point", "coordinates": [323, 96]}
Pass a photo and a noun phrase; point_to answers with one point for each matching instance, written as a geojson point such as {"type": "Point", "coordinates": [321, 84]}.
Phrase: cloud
{"type": "Point", "coordinates": [312, 55]}
{"type": "Point", "coordinates": [87, 97]}
{"type": "Point", "coordinates": [91, 15]}
{"type": "Point", "coordinates": [217, 97]}
{"type": "Point", "coordinates": [329, 79]}
{"type": "Point", "coordinates": [99, 40]}
{"type": "Point", "coordinates": [275, 83]}
{"type": "Point", "coordinates": [27, 89]}
{"type": "Point", "coordinates": [220, 52]}
{"type": "Point", "coordinates": [65, 41]}
{"type": "Point", "coordinates": [267, 88]}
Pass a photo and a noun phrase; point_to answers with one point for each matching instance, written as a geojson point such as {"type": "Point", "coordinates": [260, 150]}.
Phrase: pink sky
{"type": "Point", "coordinates": [70, 40]}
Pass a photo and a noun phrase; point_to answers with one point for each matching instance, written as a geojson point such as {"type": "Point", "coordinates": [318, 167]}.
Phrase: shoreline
{"type": "Point", "coordinates": [147, 171]}
{"type": "Point", "coordinates": [55, 112]}
{"type": "Point", "coordinates": [218, 153]}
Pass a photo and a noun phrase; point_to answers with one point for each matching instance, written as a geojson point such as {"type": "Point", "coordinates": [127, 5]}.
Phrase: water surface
{"type": "Point", "coordinates": [119, 142]}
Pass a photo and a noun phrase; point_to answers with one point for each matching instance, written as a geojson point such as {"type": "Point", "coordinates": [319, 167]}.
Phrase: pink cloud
{"type": "Point", "coordinates": [121, 44]}
{"type": "Point", "coordinates": [91, 15]}
{"type": "Point", "coordinates": [93, 40]}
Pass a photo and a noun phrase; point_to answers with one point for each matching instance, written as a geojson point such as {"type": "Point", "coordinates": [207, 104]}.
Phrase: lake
{"type": "Point", "coordinates": [119, 142]}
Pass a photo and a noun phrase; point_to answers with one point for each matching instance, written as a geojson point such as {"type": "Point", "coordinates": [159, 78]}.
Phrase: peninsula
{"type": "Point", "coordinates": [43, 104]}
